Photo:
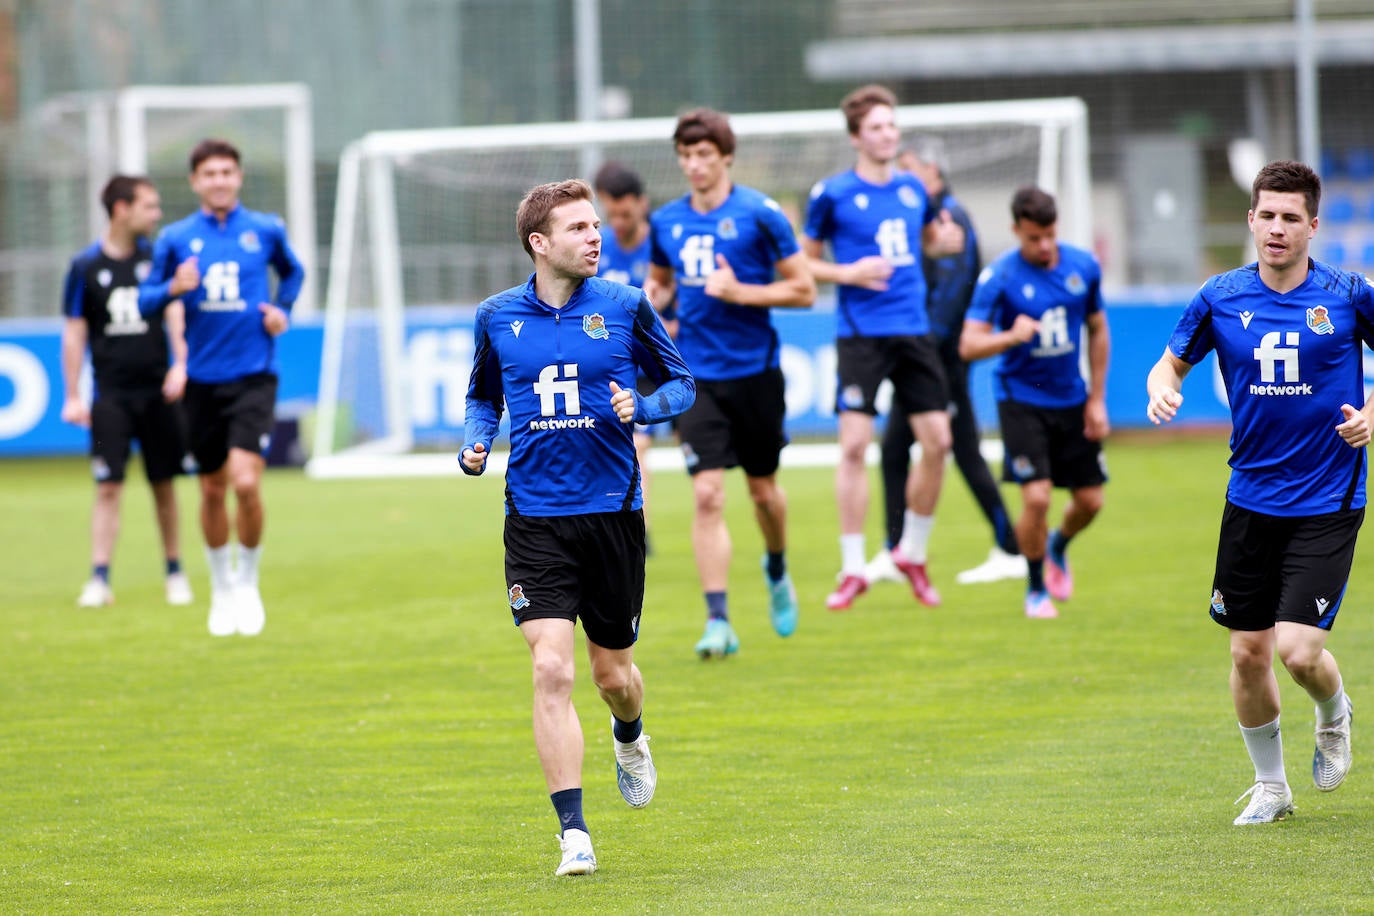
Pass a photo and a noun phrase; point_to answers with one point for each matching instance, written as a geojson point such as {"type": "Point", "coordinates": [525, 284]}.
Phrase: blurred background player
{"type": "Point", "coordinates": [949, 287]}
{"type": "Point", "coordinates": [1039, 297]}
{"type": "Point", "coordinates": [625, 259]}
{"type": "Point", "coordinates": [877, 221]}
{"type": "Point", "coordinates": [217, 261]}
{"type": "Point", "coordinates": [561, 352]}
{"type": "Point", "coordinates": [136, 386]}
{"type": "Point", "coordinates": [719, 248]}
{"type": "Point", "coordinates": [1299, 468]}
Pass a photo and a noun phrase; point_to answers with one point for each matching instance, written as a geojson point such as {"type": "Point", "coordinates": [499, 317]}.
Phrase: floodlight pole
{"type": "Point", "coordinates": [587, 52]}
{"type": "Point", "coordinates": [1305, 60]}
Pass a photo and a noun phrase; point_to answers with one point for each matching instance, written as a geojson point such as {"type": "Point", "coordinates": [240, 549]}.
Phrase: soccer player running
{"type": "Point", "coordinates": [730, 255]}
{"type": "Point", "coordinates": [878, 220]}
{"type": "Point", "coordinates": [950, 281]}
{"type": "Point", "coordinates": [217, 261]}
{"type": "Point", "coordinates": [562, 351]}
{"type": "Point", "coordinates": [1287, 331]}
{"type": "Point", "coordinates": [1031, 306]}
{"type": "Point", "coordinates": [136, 389]}
{"type": "Point", "coordinates": [625, 259]}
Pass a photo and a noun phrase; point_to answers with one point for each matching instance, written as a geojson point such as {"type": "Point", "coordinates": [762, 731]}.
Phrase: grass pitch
{"type": "Point", "coordinates": [371, 751]}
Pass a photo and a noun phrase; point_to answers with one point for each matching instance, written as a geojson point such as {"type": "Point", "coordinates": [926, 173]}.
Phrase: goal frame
{"type": "Point", "coordinates": [367, 179]}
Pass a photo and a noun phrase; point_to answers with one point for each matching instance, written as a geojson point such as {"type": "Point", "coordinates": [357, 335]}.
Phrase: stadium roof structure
{"type": "Point", "coordinates": [1096, 50]}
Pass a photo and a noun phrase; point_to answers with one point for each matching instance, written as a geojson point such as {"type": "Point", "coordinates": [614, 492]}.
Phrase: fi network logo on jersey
{"type": "Point", "coordinates": [1271, 356]}
{"type": "Point", "coordinates": [549, 387]}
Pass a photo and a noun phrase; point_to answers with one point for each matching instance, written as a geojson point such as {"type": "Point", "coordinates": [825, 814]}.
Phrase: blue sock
{"type": "Point", "coordinates": [102, 572]}
{"type": "Point", "coordinates": [716, 607]}
{"type": "Point", "coordinates": [777, 565]}
{"type": "Point", "coordinates": [1058, 544]}
{"type": "Point", "coordinates": [627, 732]}
{"type": "Point", "coordinates": [568, 804]}
{"type": "Point", "coordinates": [1036, 569]}
{"type": "Point", "coordinates": [173, 566]}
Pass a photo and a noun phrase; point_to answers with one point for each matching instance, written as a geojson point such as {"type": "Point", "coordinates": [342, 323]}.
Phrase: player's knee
{"type": "Point", "coordinates": [553, 675]}
{"type": "Point", "coordinates": [1300, 658]}
{"type": "Point", "coordinates": [1251, 659]}
{"type": "Point", "coordinates": [1089, 501]}
{"type": "Point", "coordinates": [611, 679]}
{"type": "Point", "coordinates": [1036, 500]}
{"type": "Point", "coordinates": [709, 500]}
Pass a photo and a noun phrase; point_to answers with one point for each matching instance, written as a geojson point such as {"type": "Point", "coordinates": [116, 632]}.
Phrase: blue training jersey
{"type": "Point", "coordinates": [860, 219]}
{"type": "Point", "coordinates": [1289, 361]}
{"type": "Point", "coordinates": [1043, 372]}
{"type": "Point", "coordinates": [721, 340]}
{"type": "Point", "coordinates": [623, 265]}
{"type": "Point", "coordinates": [225, 338]}
{"type": "Point", "coordinates": [553, 368]}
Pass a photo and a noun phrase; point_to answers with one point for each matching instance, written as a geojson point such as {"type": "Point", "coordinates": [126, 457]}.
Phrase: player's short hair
{"type": "Point", "coordinates": [211, 148]}
{"type": "Point", "coordinates": [861, 101]}
{"type": "Point", "coordinates": [930, 150]}
{"type": "Point", "coordinates": [538, 205]}
{"type": "Point", "coordinates": [121, 188]}
{"type": "Point", "coordinates": [617, 180]}
{"type": "Point", "coordinates": [705, 124]}
{"type": "Point", "coordinates": [1285, 175]}
{"type": "Point", "coordinates": [1031, 203]}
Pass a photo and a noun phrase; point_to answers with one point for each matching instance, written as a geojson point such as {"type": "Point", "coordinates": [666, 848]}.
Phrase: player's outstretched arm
{"type": "Point", "coordinates": [1164, 386]}
{"type": "Point", "coordinates": [794, 288]}
{"type": "Point", "coordinates": [657, 357]}
{"type": "Point", "coordinates": [75, 333]}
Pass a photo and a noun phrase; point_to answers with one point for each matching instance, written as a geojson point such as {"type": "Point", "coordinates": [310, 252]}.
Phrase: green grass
{"type": "Point", "coordinates": [371, 751]}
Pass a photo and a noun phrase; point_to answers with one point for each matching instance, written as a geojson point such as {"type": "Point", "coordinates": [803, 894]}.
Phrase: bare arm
{"type": "Point", "coordinates": [869, 272]}
{"type": "Point", "coordinates": [979, 341]}
{"type": "Point", "coordinates": [1095, 423]}
{"type": "Point", "coordinates": [659, 286]}
{"type": "Point", "coordinates": [174, 322]}
{"type": "Point", "coordinates": [1164, 384]}
{"type": "Point", "coordinates": [795, 287]}
{"type": "Point", "coordinates": [74, 336]}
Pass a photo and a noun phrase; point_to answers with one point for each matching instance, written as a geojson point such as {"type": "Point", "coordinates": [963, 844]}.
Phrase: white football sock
{"type": "Point", "coordinates": [1332, 709]}
{"type": "Point", "coordinates": [221, 560]}
{"type": "Point", "coordinates": [1265, 745]}
{"type": "Point", "coordinates": [852, 554]}
{"type": "Point", "coordinates": [248, 565]}
{"type": "Point", "coordinates": [916, 536]}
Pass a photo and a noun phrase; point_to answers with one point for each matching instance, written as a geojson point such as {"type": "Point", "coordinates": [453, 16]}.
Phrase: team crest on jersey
{"type": "Point", "coordinates": [726, 228]}
{"type": "Point", "coordinates": [104, 277]}
{"type": "Point", "coordinates": [677, 231]}
{"type": "Point", "coordinates": [1075, 284]}
{"type": "Point", "coordinates": [1028, 291]}
{"type": "Point", "coordinates": [1319, 320]}
{"type": "Point", "coordinates": [594, 326]}
{"type": "Point", "coordinates": [248, 241]}
{"type": "Point", "coordinates": [142, 269]}
{"type": "Point", "coordinates": [196, 246]}
{"type": "Point", "coordinates": [518, 601]}
{"type": "Point", "coordinates": [1218, 603]}
{"type": "Point", "coordinates": [861, 201]}
{"type": "Point", "coordinates": [907, 195]}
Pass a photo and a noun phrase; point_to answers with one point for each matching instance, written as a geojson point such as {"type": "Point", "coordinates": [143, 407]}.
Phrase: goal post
{"type": "Point", "coordinates": [424, 230]}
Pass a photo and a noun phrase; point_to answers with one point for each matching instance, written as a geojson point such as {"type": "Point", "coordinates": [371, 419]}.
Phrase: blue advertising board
{"type": "Point", "coordinates": [439, 357]}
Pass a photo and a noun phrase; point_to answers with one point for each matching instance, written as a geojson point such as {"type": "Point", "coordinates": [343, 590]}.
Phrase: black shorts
{"type": "Point", "coordinates": [225, 415]}
{"type": "Point", "coordinates": [736, 423]}
{"type": "Point", "coordinates": [579, 566]}
{"type": "Point", "coordinates": [1271, 568]}
{"type": "Point", "coordinates": [118, 418]}
{"type": "Point", "coordinates": [912, 363]}
{"type": "Point", "coordinates": [1048, 442]}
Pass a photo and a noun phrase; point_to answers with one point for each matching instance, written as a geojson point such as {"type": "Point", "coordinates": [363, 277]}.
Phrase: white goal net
{"type": "Point", "coordinates": [424, 229]}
